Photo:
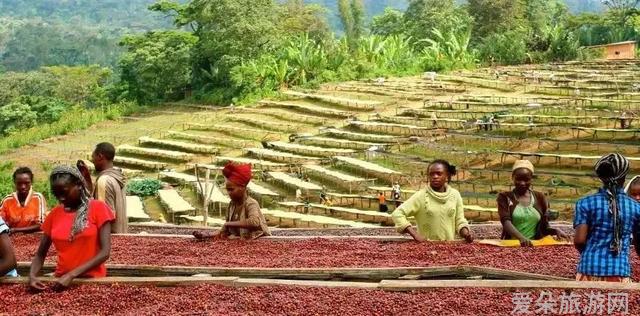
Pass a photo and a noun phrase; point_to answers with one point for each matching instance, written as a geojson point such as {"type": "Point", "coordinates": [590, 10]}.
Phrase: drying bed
{"type": "Point", "coordinates": [290, 300]}
{"type": "Point", "coordinates": [558, 261]}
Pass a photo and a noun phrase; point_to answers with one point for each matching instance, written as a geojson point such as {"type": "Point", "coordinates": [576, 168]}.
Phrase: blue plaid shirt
{"type": "Point", "coordinates": [597, 258]}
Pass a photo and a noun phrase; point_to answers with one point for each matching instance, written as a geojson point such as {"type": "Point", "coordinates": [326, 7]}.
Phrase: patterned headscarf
{"type": "Point", "coordinates": [80, 220]}
{"type": "Point", "coordinates": [619, 167]}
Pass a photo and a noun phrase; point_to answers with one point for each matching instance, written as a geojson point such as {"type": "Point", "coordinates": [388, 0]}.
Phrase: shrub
{"type": "Point", "coordinates": [509, 48]}
{"type": "Point", "coordinates": [144, 187]}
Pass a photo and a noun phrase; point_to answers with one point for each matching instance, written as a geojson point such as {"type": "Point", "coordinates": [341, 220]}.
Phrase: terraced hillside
{"type": "Point", "coordinates": [355, 139]}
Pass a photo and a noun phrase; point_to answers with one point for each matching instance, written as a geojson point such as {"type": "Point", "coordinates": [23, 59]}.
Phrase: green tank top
{"type": "Point", "coordinates": [525, 218]}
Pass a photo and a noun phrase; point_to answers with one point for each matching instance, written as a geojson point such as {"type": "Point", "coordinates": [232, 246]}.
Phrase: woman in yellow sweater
{"type": "Point", "coordinates": [438, 209]}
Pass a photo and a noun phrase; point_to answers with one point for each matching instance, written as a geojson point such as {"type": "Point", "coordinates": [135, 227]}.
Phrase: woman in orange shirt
{"type": "Point", "coordinates": [23, 210]}
{"type": "Point", "coordinates": [79, 228]}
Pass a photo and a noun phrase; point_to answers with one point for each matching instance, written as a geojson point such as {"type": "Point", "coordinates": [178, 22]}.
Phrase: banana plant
{"type": "Point", "coordinates": [306, 58]}
{"type": "Point", "coordinates": [371, 48]}
{"type": "Point", "coordinates": [399, 53]}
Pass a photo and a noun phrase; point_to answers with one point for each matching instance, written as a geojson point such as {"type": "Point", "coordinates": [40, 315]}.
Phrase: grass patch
{"type": "Point", "coordinates": [73, 120]}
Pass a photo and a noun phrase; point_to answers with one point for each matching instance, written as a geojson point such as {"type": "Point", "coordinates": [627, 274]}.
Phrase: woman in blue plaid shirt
{"type": "Point", "coordinates": [604, 223]}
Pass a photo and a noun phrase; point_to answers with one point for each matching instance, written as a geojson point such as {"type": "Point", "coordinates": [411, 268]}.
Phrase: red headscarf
{"type": "Point", "coordinates": [239, 174]}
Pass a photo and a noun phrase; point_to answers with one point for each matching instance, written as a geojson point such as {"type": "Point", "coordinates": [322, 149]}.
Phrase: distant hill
{"type": "Point", "coordinates": [126, 15]}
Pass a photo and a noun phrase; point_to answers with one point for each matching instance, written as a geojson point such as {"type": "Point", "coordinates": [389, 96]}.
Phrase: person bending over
{"type": "Point", "coordinates": [79, 228]}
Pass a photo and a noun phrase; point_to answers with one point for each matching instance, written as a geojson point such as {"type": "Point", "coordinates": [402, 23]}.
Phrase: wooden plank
{"type": "Point", "coordinates": [370, 274]}
{"type": "Point", "coordinates": [417, 285]}
{"type": "Point", "coordinates": [507, 274]}
{"type": "Point", "coordinates": [305, 283]}
{"type": "Point", "coordinates": [157, 281]}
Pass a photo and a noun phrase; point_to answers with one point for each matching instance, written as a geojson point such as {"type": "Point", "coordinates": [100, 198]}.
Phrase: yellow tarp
{"type": "Point", "coordinates": [546, 241]}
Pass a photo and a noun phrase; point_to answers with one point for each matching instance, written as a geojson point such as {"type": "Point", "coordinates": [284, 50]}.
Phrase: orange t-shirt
{"type": "Point", "coordinates": [20, 216]}
{"type": "Point", "coordinates": [85, 245]}
{"type": "Point", "coordinates": [381, 198]}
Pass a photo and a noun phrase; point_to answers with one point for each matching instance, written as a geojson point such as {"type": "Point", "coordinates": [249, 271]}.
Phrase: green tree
{"type": "Point", "coordinates": [228, 33]}
{"type": "Point", "coordinates": [389, 23]}
{"type": "Point", "coordinates": [297, 18]}
{"type": "Point", "coordinates": [157, 65]}
{"type": "Point", "coordinates": [423, 16]}
{"type": "Point", "coordinates": [448, 51]}
{"type": "Point", "coordinates": [34, 83]}
{"type": "Point", "coordinates": [81, 84]}
{"type": "Point", "coordinates": [48, 110]}
{"type": "Point", "coordinates": [563, 45]}
{"type": "Point", "coordinates": [544, 14]}
{"type": "Point", "coordinates": [508, 48]}
{"type": "Point", "coordinates": [16, 116]}
{"type": "Point", "coordinates": [36, 44]}
{"type": "Point", "coordinates": [542, 17]}
{"type": "Point", "coordinates": [621, 9]}
{"type": "Point", "coordinates": [352, 18]}
{"type": "Point", "coordinates": [495, 16]}
{"type": "Point", "coordinates": [231, 31]}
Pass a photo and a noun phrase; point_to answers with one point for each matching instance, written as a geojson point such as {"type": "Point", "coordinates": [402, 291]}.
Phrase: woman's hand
{"type": "Point", "coordinates": [524, 242]}
{"type": "Point", "coordinates": [561, 235]}
{"type": "Point", "coordinates": [204, 236]}
{"type": "Point", "coordinates": [36, 284]}
{"type": "Point", "coordinates": [412, 231]}
{"type": "Point", "coordinates": [466, 234]}
{"type": "Point", "coordinates": [63, 283]}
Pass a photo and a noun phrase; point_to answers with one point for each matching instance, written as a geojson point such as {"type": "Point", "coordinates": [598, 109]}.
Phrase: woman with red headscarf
{"type": "Point", "coordinates": [244, 218]}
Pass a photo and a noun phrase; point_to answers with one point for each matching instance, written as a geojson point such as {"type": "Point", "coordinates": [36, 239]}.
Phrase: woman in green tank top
{"type": "Point", "coordinates": [523, 211]}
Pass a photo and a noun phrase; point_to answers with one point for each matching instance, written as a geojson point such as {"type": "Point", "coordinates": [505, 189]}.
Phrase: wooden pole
{"type": "Point", "coordinates": [206, 197]}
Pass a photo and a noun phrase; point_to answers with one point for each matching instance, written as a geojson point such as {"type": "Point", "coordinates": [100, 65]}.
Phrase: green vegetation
{"type": "Point", "coordinates": [73, 120]}
{"type": "Point", "coordinates": [144, 187]}
{"type": "Point", "coordinates": [242, 50]}
{"type": "Point", "coordinates": [53, 101]}
{"type": "Point", "coordinates": [27, 45]}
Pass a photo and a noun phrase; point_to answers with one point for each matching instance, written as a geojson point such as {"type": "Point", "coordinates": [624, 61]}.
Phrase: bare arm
{"type": "Point", "coordinates": [580, 239]}
{"type": "Point", "coordinates": [636, 238]}
{"type": "Point", "coordinates": [28, 229]}
{"type": "Point", "coordinates": [210, 235]}
{"type": "Point", "coordinates": [513, 231]}
{"type": "Point", "coordinates": [38, 261]}
{"type": "Point", "coordinates": [243, 224]}
{"type": "Point", "coordinates": [7, 257]}
{"type": "Point", "coordinates": [461, 222]}
{"type": "Point", "coordinates": [408, 209]}
{"type": "Point", "coordinates": [414, 234]}
{"type": "Point", "coordinates": [84, 170]}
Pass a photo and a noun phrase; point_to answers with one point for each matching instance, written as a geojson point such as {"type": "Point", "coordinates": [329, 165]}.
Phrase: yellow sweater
{"type": "Point", "coordinates": [439, 216]}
